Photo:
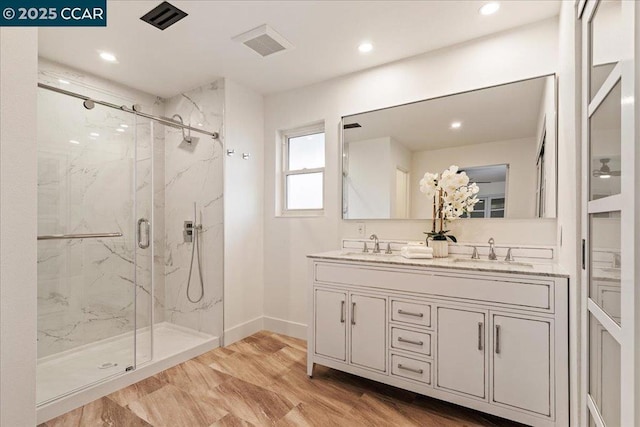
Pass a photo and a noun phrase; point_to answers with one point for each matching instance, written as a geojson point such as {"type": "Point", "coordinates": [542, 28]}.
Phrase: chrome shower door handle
{"type": "Point", "coordinates": [144, 222]}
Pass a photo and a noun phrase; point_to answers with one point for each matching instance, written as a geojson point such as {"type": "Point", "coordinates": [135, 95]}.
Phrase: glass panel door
{"type": "Point", "coordinates": [86, 284]}
{"type": "Point", "coordinates": [608, 221]}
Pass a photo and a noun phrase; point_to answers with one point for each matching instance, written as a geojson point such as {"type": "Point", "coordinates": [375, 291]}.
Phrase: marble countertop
{"type": "Point", "coordinates": [452, 262]}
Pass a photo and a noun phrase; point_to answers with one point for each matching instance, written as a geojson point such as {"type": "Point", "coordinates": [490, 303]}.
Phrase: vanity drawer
{"type": "Point", "coordinates": [405, 367]}
{"type": "Point", "coordinates": [408, 312]}
{"type": "Point", "coordinates": [417, 342]}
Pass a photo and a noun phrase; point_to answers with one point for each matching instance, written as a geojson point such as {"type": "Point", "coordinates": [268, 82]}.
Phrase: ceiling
{"type": "Point", "coordinates": [499, 113]}
{"type": "Point", "coordinates": [325, 35]}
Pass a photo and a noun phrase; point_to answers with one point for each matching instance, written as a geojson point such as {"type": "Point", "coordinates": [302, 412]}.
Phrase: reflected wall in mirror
{"type": "Point", "coordinates": [503, 137]}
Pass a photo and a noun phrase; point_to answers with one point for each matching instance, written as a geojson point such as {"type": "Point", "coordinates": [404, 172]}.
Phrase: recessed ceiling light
{"type": "Point", "coordinates": [64, 82]}
{"type": "Point", "coordinates": [73, 141]}
{"type": "Point", "coordinates": [200, 124]}
{"type": "Point", "coordinates": [456, 125]}
{"type": "Point", "coordinates": [124, 126]}
{"type": "Point", "coordinates": [110, 57]}
{"type": "Point", "coordinates": [365, 47]}
{"type": "Point", "coordinates": [120, 130]}
{"type": "Point", "coordinates": [605, 176]}
{"type": "Point", "coordinates": [94, 134]}
{"type": "Point", "coordinates": [489, 8]}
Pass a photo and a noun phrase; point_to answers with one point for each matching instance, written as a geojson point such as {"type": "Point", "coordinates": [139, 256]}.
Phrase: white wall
{"type": "Point", "coordinates": [526, 52]}
{"type": "Point", "coordinates": [569, 188]}
{"type": "Point", "coordinates": [371, 181]}
{"type": "Point", "coordinates": [519, 154]}
{"type": "Point", "coordinates": [400, 159]}
{"type": "Point", "coordinates": [367, 183]}
{"type": "Point", "coordinates": [18, 208]}
{"type": "Point", "coordinates": [244, 212]}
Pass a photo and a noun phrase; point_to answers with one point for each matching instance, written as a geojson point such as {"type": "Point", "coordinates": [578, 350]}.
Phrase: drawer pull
{"type": "Point", "coordinates": [497, 339]}
{"type": "Point", "coordinates": [480, 335]}
{"type": "Point", "coordinates": [341, 311]}
{"type": "Point", "coordinates": [410, 369]}
{"type": "Point", "coordinates": [420, 343]}
{"type": "Point", "coordinates": [409, 313]}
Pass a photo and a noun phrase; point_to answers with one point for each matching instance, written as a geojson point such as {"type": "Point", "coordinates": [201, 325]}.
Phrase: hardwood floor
{"type": "Point", "coordinates": [262, 381]}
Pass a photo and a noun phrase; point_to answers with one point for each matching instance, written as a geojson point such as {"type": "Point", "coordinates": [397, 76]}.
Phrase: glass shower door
{"type": "Point", "coordinates": [87, 244]}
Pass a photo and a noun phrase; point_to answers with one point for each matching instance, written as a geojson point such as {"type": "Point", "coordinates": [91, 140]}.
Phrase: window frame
{"type": "Point", "coordinates": [285, 172]}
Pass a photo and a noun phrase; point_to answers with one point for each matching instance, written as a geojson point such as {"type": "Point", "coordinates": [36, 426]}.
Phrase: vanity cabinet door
{"type": "Point", "coordinates": [521, 363]}
{"type": "Point", "coordinates": [330, 324]}
{"type": "Point", "coordinates": [368, 331]}
{"type": "Point", "coordinates": [461, 351]}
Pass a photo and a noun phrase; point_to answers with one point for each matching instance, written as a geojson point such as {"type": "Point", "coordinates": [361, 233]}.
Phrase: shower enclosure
{"type": "Point", "coordinates": [111, 274]}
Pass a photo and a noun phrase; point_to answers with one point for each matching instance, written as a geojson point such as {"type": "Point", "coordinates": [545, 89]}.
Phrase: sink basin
{"type": "Point", "coordinates": [481, 262]}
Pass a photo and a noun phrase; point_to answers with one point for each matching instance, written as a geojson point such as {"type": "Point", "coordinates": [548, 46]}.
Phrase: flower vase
{"type": "Point", "coordinates": [440, 248]}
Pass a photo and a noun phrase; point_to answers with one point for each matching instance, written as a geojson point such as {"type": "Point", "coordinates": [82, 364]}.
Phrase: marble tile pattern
{"type": "Point", "coordinates": [193, 173]}
{"type": "Point", "coordinates": [87, 169]}
{"type": "Point", "coordinates": [218, 388]}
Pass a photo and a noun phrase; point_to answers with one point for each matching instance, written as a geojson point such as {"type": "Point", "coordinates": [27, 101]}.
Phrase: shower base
{"type": "Point", "coordinates": [102, 365]}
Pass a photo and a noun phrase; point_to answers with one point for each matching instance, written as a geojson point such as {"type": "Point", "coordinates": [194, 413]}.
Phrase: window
{"type": "Point", "coordinates": [488, 207]}
{"type": "Point", "coordinates": [303, 170]}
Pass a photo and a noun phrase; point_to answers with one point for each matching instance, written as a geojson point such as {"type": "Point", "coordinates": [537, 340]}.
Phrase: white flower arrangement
{"type": "Point", "coordinates": [453, 196]}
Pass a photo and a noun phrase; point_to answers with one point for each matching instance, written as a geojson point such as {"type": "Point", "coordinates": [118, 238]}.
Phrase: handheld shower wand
{"type": "Point", "coordinates": [195, 232]}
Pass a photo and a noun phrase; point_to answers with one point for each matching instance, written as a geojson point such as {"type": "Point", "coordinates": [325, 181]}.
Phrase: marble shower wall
{"type": "Point", "coordinates": [193, 173]}
{"type": "Point", "coordinates": [85, 183]}
{"type": "Point", "coordinates": [85, 287]}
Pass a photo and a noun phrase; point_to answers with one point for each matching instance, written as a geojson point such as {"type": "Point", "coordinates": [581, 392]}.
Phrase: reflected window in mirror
{"type": "Point", "coordinates": [492, 182]}
{"type": "Point", "coordinates": [386, 152]}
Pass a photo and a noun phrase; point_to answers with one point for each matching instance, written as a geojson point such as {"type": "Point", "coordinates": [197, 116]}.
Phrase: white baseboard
{"type": "Point", "coordinates": [243, 330]}
{"type": "Point", "coordinates": [285, 327]}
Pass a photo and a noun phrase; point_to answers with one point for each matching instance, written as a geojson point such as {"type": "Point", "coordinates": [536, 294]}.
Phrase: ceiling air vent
{"type": "Point", "coordinates": [264, 40]}
{"type": "Point", "coordinates": [352, 125]}
{"type": "Point", "coordinates": [164, 15]}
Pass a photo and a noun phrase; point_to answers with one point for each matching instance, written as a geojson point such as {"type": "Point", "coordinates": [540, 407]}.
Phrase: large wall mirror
{"type": "Point", "coordinates": [503, 137]}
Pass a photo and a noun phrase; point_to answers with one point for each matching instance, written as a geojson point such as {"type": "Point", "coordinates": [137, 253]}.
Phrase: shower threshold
{"type": "Point", "coordinates": [74, 378]}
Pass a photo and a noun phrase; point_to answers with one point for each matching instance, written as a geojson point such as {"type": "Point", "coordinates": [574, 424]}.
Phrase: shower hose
{"type": "Point", "coordinates": [195, 249]}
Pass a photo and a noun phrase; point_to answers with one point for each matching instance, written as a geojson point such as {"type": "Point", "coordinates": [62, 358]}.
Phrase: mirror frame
{"type": "Point", "coordinates": [341, 139]}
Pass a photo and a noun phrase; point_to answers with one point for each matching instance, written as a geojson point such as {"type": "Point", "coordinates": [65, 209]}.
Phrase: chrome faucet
{"type": "Point", "coordinates": [492, 250]}
{"type": "Point", "coordinates": [509, 256]}
{"type": "Point", "coordinates": [376, 243]}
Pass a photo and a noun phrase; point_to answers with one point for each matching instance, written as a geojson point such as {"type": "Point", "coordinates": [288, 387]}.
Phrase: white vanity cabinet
{"type": "Point", "coordinates": [366, 319]}
{"type": "Point", "coordinates": [494, 341]}
{"type": "Point", "coordinates": [462, 355]}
